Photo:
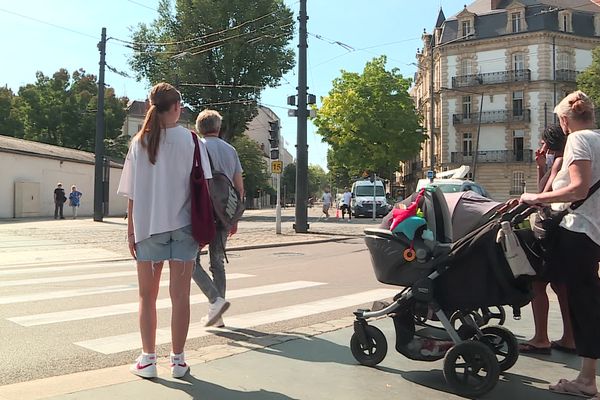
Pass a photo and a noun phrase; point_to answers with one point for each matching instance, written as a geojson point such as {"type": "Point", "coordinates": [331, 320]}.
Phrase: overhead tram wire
{"type": "Point", "coordinates": [49, 24]}
{"type": "Point", "coordinates": [142, 5]}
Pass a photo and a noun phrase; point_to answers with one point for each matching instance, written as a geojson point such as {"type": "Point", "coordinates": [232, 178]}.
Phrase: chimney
{"type": "Point", "coordinates": [495, 4]}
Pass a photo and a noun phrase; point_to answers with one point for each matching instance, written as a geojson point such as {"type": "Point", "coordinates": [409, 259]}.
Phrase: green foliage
{"type": "Point", "coordinates": [369, 121]}
{"type": "Point", "coordinates": [589, 80]}
{"type": "Point", "coordinates": [288, 180]}
{"type": "Point", "coordinates": [255, 167]}
{"type": "Point", "coordinates": [252, 53]}
{"type": "Point", "coordinates": [61, 110]}
{"type": "Point", "coordinates": [317, 180]}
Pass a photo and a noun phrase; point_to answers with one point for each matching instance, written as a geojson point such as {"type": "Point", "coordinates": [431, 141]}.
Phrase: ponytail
{"type": "Point", "coordinates": [149, 135]}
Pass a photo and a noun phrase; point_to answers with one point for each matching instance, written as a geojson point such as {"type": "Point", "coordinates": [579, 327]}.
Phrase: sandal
{"type": "Point", "coordinates": [567, 387]}
{"type": "Point", "coordinates": [528, 348]}
{"type": "Point", "coordinates": [557, 346]}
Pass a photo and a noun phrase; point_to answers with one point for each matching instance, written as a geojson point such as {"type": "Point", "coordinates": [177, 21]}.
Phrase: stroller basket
{"type": "Point", "coordinates": [387, 258]}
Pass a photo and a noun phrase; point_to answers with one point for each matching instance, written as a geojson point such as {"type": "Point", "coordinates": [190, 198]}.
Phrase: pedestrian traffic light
{"type": "Point", "coordinates": [274, 139]}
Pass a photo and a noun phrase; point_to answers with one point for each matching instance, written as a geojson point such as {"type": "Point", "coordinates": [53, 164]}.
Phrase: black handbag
{"type": "Point", "coordinates": [546, 221]}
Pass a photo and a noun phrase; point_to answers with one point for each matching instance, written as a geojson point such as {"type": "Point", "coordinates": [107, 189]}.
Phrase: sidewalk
{"type": "Point", "coordinates": [309, 363]}
{"type": "Point", "coordinates": [256, 229]}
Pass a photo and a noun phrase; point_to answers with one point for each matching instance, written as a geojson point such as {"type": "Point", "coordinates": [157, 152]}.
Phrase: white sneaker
{"type": "Point", "coordinates": [145, 366]}
{"type": "Point", "coordinates": [218, 324]}
{"type": "Point", "coordinates": [216, 310]}
{"type": "Point", "coordinates": [178, 365]}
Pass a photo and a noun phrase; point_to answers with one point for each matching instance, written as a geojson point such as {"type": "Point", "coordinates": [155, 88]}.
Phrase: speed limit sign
{"type": "Point", "coordinates": [277, 167]}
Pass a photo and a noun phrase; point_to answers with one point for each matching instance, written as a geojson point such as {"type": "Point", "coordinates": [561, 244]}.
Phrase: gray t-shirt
{"type": "Point", "coordinates": [224, 156]}
{"type": "Point", "coordinates": [581, 145]}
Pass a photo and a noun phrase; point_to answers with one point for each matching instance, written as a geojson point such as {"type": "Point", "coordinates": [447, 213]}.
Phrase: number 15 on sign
{"type": "Point", "coordinates": [277, 167]}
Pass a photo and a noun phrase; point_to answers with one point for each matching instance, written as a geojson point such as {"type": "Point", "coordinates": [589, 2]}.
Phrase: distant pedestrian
{"type": "Point", "coordinates": [346, 203]}
{"type": "Point", "coordinates": [327, 201]}
{"type": "Point", "coordinates": [74, 200]}
{"type": "Point", "coordinates": [156, 179]}
{"type": "Point", "coordinates": [59, 201]}
{"type": "Point", "coordinates": [224, 159]}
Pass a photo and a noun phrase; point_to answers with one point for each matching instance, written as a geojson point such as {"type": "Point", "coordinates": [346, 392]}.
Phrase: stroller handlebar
{"type": "Point", "coordinates": [518, 214]}
{"type": "Point", "coordinates": [523, 215]}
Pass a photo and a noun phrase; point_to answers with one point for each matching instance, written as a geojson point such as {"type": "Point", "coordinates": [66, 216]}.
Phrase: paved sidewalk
{"type": "Point", "coordinates": [309, 363]}
{"type": "Point", "coordinates": [257, 229]}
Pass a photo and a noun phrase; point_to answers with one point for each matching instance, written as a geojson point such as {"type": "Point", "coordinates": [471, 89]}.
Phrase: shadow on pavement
{"type": "Point", "coordinates": [510, 385]}
{"type": "Point", "coordinates": [199, 389]}
{"type": "Point", "coordinates": [570, 361]}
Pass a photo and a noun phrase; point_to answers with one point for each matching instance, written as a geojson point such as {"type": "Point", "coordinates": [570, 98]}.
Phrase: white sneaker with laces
{"type": "Point", "coordinates": [145, 366]}
{"type": "Point", "coordinates": [218, 324]}
{"type": "Point", "coordinates": [178, 365]}
{"type": "Point", "coordinates": [216, 310]}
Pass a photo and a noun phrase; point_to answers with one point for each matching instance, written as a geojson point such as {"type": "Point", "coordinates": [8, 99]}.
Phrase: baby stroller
{"type": "Point", "coordinates": [445, 278]}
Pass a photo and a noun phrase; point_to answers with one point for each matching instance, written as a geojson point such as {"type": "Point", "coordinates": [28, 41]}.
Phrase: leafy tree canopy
{"type": "Point", "coordinates": [61, 110]}
{"type": "Point", "coordinates": [254, 165]}
{"type": "Point", "coordinates": [369, 121]}
{"type": "Point", "coordinates": [589, 80]}
{"type": "Point", "coordinates": [229, 43]}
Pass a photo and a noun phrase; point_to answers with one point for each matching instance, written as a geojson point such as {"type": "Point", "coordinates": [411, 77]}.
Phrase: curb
{"type": "Point", "coordinates": [284, 244]}
{"type": "Point", "coordinates": [95, 379]}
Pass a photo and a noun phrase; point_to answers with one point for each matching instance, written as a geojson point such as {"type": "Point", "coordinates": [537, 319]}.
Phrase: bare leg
{"type": "Point", "coordinates": [540, 306]}
{"type": "Point", "coordinates": [148, 290]}
{"type": "Point", "coordinates": [567, 339]}
{"type": "Point", "coordinates": [179, 289]}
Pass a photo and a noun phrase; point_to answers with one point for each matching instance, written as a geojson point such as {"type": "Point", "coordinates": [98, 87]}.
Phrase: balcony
{"type": "Point", "coordinates": [491, 78]}
{"type": "Point", "coordinates": [566, 75]}
{"type": "Point", "coordinates": [492, 117]}
{"type": "Point", "coordinates": [493, 156]}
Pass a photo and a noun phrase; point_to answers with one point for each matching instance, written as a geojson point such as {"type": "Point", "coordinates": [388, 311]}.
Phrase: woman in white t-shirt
{"type": "Point", "coordinates": [577, 252]}
{"type": "Point", "coordinates": [156, 179]}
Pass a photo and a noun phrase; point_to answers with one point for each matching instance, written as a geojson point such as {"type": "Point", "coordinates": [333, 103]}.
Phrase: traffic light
{"type": "Point", "coordinates": [274, 139]}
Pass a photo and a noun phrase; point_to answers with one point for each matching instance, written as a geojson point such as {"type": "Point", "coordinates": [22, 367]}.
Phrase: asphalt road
{"type": "Point", "coordinates": [59, 317]}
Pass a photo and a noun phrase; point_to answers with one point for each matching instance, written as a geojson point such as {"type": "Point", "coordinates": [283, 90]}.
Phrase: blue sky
{"type": "Point", "coordinates": [390, 27]}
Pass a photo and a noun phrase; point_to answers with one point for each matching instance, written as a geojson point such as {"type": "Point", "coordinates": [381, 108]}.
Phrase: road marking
{"type": "Point", "coordinates": [55, 256]}
{"type": "Point", "coordinates": [131, 341]}
{"type": "Point", "coordinates": [127, 308]}
{"type": "Point", "coordinates": [18, 270]}
{"type": "Point", "coordinates": [70, 278]}
{"type": "Point", "coordinates": [61, 294]}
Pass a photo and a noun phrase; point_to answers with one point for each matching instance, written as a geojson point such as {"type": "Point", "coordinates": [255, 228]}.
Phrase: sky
{"type": "Point", "coordinates": [42, 35]}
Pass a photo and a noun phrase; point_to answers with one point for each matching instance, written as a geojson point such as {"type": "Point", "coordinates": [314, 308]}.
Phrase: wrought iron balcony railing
{"type": "Point", "coordinates": [492, 117]}
{"type": "Point", "coordinates": [493, 156]}
{"type": "Point", "coordinates": [566, 75]}
{"type": "Point", "coordinates": [491, 78]}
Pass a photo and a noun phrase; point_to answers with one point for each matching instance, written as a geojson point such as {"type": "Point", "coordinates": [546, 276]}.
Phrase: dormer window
{"type": "Point", "coordinates": [564, 21]}
{"type": "Point", "coordinates": [597, 24]}
{"type": "Point", "coordinates": [466, 28]}
{"type": "Point", "coordinates": [515, 19]}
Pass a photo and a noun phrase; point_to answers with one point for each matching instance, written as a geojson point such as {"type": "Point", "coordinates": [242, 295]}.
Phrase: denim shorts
{"type": "Point", "coordinates": [177, 245]}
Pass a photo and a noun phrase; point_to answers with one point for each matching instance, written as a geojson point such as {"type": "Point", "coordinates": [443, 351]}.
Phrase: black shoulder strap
{"type": "Point", "coordinates": [577, 204]}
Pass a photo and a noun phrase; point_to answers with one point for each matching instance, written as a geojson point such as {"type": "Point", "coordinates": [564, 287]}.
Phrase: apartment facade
{"type": "Point", "coordinates": [499, 67]}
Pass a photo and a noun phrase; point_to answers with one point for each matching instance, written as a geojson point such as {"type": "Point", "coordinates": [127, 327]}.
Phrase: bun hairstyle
{"type": "Point", "coordinates": [576, 106]}
{"type": "Point", "coordinates": [162, 97]}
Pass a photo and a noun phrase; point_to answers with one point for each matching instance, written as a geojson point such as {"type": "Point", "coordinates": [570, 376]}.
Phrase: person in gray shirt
{"type": "Point", "coordinates": [225, 159]}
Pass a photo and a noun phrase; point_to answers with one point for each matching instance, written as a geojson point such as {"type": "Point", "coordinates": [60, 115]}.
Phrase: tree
{"type": "Point", "coordinates": [317, 180]}
{"type": "Point", "coordinates": [232, 43]}
{"type": "Point", "coordinates": [9, 122]}
{"type": "Point", "coordinates": [61, 110]}
{"type": "Point", "coordinates": [589, 80]}
{"type": "Point", "coordinates": [254, 165]}
{"type": "Point", "coordinates": [288, 181]}
{"type": "Point", "coordinates": [369, 120]}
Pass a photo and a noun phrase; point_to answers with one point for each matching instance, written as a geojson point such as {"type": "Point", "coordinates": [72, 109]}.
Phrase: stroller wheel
{"type": "Point", "coordinates": [496, 312]}
{"type": "Point", "coordinates": [503, 343]}
{"type": "Point", "coordinates": [471, 369]}
{"type": "Point", "coordinates": [456, 322]}
{"type": "Point", "coordinates": [374, 351]}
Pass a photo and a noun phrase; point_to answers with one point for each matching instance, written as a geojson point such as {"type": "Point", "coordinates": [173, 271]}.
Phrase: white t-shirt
{"type": "Point", "coordinates": [346, 198]}
{"type": "Point", "coordinates": [161, 192]}
{"type": "Point", "coordinates": [581, 145]}
{"type": "Point", "coordinates": [327, 198]}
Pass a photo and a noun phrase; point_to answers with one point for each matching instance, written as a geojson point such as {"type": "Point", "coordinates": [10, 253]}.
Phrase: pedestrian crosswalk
{"type": "Point", "coordinates": [41, 296]}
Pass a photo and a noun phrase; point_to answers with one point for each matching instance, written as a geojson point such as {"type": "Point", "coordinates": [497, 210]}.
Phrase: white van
{"type": "Point", "coordinates": [362, 198]}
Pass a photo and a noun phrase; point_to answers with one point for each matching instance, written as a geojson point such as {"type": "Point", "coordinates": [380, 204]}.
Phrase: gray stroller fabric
{"type": "Point", "coordinates": [468, 210]}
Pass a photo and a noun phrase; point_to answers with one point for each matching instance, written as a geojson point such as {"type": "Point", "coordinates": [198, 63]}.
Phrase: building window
{"type": "Point", "coordinates": [516, 22]}
{"type": "Point", "coordinates": [517, 103]}
{"type": "Point", "coordinates": [467, 144]}
{"type": "Point", "coordinates": [518, 183]}
{"type": "Point", "coordinates": [597, 24]}
{"type": "Point", "coordinates": [564, 21]}
{"type": "Point", "coordinates": [466, 106]}
{"type": "Point", "coordinates": [518, 145]}
{"type": "Point", "coordinates": [563, 61]}
{"type": "Point", "coordinates": [466, 67]}
{"type": "Point", "coordinates": [518, 62]}
{"type": "Point", "coordinates": [466, 28]}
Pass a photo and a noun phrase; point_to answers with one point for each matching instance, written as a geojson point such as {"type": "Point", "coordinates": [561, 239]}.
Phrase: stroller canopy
{"type": "Point", "coordinates": [469, 210]}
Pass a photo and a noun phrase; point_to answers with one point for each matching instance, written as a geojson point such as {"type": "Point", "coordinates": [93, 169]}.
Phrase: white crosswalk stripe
{"type": "Point", "coordinates": [131, 341]}
{"type": "Point", "coordinates": [55, 256]}
{"type": "Point", "coordinates": [19, 270]}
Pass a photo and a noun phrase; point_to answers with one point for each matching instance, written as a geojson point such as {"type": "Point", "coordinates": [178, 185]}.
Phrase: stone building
{"type": "Point", "coordinates": [499, 67]}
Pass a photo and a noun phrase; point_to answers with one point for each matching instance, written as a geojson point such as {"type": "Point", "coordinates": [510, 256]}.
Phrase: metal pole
{"type": "Point", "coordinates": [99, 148]}
{"type": "Point", "coordinates": [431, 111]}
{"type": "Point", "coordinates": [374, 196]}
{"type": "Point", "coordinates": [477, 137]}
{"type": "Point", "coordinates": [301, 225]}
{"type": "Point", "coordinates": [278, 207]}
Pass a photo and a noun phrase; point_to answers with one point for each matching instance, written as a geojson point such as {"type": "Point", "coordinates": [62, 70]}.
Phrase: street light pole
{"type": "Point", "coordinates": [99, 145]}
{"type": "Point", "coordinates": [431, 111]}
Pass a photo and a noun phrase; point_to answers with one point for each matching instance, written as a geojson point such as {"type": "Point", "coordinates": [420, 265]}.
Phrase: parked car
{"type": "Point", "coordinates": [453, 181]}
